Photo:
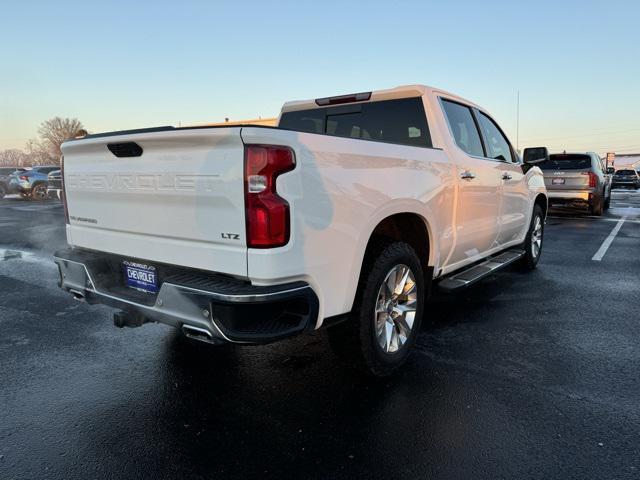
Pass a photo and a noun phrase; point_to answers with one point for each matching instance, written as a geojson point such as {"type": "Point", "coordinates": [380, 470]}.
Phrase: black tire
{"type": "Point", "coordinates": [3, 192]}
{"type": "Point", "coordinates": [357, 340]}
{"type": "Point", "coordinates": [596, 208]}
{"type": "Point", "coordinates": [39, 192]}
{"type": "Point", "coordinates": [531, 253]}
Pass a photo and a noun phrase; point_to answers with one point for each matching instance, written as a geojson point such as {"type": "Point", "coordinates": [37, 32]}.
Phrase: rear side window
{"type": "Point", "coordinates": [400, 121]}
{"type": "Point", "coordinates": [497, 145]}
{"type": "Point", "coordinates": [463, 128]}
{"type": "Point", "coordinates": [309, 121]}
{"type": "Point", "coordinates": [567, 162]}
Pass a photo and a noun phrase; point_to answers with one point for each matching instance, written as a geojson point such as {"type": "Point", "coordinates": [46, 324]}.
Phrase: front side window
{"type": "Point", "coordinates": [463, 128]}
{"type": "Point", "coordinates": [497, 145]}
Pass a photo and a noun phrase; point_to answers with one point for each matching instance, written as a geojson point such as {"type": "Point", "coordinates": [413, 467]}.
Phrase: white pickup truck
{"type": "Point", "coordinates": [342, 216]}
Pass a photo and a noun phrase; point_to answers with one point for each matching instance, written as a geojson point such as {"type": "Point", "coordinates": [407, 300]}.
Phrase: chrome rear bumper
{"type": "Point", "coordinates": [207, 306]}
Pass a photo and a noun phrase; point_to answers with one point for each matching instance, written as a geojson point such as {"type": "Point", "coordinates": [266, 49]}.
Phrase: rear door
{"type": "Point", "coordinates": [174, 196]}
{"type": "Point", "coordinates": [479, 185]}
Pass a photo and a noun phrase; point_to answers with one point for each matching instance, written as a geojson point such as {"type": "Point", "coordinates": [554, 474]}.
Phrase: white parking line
{"type": "Point", "coordinates": [607, 241]}
{"type": "Point", "coordinates": [595, 219]}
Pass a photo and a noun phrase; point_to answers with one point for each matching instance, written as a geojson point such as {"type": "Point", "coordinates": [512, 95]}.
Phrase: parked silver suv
{"type": "Point", "coordinates": [577, 179]}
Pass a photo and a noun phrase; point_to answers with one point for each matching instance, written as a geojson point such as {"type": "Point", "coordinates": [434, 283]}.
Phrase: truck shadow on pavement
{"type": "Point", "coordinates": [293, 406]}
{"type": "Point", "coordinates": [249, 411]}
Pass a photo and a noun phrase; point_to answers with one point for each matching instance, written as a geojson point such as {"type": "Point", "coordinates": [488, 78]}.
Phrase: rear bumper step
{"type": "Point", "coordinates": [208, 307]}
{"type": "Point", "coordinates": [479, 271]}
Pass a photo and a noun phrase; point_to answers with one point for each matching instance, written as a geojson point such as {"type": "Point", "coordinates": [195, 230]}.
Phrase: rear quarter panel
{"type": "Point", "coordinates": [339, 192]}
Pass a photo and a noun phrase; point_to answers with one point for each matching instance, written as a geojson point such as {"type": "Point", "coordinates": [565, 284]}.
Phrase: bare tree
{"type": "Point", "coordinates": [55, 131]}
{"type": "Point", "coordinates": [39, 153]}
{"type": "Point", "coordinates": [13, 157]}
{"type": "Point", "coordinates": [44, 150]}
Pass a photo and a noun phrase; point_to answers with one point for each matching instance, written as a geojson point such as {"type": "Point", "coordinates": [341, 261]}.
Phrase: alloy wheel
{"type": "Point", "coordinates": [536, 237]}
{"type": "Point", "coordinates": [396, 309]}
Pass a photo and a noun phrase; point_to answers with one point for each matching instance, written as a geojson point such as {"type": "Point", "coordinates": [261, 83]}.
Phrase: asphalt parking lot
{"type": "Point", "coordinates": [522, 376]}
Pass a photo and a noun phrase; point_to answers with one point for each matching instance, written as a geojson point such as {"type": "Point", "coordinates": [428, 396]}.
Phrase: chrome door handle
{"type": "Point", "coordinates": [506, 176]}
{"type": "Point", "coordinates": [467, 175]}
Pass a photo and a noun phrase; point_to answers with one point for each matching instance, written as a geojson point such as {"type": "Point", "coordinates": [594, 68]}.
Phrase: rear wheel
{"type": "Point", "coordinates": [387, 313]}
{"type": "Point", "coordinates": [533, 240]}
{"type": "Point", "coordinates": [3, 192]}
{"type": "Point", "coordinates": [39, 192]}
{"type": "Point", "coordinates": [596, 207]}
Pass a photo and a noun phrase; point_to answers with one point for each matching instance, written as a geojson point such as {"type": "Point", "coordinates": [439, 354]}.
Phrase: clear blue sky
{"type": "Point", "coordinates": [117, 65]}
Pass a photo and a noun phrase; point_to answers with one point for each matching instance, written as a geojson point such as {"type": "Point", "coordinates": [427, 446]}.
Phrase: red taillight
{"type": "Point", "coordinates": [593, 179]}
{"type": "Point", "coordinates": [23, 177]}
{"type": "Point", "coordinates": [62, 192]}
{"type": "Point", "coordinates": [267, 214]}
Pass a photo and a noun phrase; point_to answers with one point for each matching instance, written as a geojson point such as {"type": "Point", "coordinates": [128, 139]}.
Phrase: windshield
{"type": "Point", "coordinates": [626, 172]}
{"type": "Point", "coordinates": [567, 162]}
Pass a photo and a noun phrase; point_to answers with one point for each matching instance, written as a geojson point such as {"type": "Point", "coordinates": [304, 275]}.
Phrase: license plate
{"type": "Point", "coordinates": [141, 277]}
{"type": "Point", "coordinates": [557, 181]}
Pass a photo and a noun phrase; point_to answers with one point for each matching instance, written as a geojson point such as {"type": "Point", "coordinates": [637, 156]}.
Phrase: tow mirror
{"type": "Point", "coordinates": [611, 170]}
{"type": "Point", "coordinates": [535, 155]}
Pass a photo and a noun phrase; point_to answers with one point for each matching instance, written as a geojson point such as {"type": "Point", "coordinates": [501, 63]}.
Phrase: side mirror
{"type": "Point", "coordinates": [611, 170]}
{"type": "Point", "coordinates": [535, 155]}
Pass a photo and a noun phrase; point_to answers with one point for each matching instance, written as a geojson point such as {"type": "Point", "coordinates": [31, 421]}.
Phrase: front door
{"type": "Point", "coordinates": [514, 190]}
{"type": "Point", "coordinates": [479, 184]}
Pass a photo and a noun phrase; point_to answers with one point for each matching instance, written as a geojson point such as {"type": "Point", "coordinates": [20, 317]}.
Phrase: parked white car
{"type": "Point", "coordinates": [342, 216]}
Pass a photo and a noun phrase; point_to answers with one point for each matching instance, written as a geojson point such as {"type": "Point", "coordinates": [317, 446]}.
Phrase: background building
{"type": "Point", "coordinates": [627, 160]}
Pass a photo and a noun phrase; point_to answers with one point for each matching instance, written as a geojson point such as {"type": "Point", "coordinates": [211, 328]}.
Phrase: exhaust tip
{"type": "Point", "coordinates": [77, 295]}
{"type": "Point", "coordinates": [200, 334]}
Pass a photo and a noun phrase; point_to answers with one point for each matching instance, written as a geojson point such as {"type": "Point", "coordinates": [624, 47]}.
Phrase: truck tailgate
{"type": "Point", "coordinates": [180, 202]}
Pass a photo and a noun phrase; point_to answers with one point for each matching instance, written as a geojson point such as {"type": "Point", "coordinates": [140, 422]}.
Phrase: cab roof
{"type": "Point", "coordinates": [403, 91]}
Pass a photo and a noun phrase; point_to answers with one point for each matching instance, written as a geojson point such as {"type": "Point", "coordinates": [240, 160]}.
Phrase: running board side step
{"type": "Point", "coordinates": [479, 271]}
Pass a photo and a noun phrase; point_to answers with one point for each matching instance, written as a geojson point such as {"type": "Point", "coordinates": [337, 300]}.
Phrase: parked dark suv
{"type": "Point", "coordinates": [626, 178]}
{"type": "Point", "coordinates": [54, 184]}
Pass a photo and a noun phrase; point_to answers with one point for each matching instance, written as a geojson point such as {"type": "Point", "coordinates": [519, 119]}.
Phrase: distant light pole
{"type": "Point", "coordinates": [518, 123]}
